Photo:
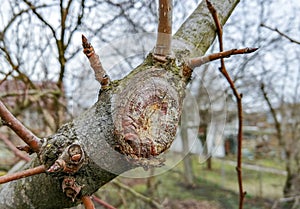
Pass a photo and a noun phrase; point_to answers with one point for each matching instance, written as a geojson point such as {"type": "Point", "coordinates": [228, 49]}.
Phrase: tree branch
{"type": "Point", "coordinates": [22, 174]}
{"type": "Point", "coordinates": [274, 115]}
{"type": "Point", "coordinates": [239, 105]}
{"type": "Point", "coordinates": [148, 200]}
{"type": "Point", "coordinates": [39, 16]}
{"type": "Point", "coordinates": [281, 34]}
{"type": "Point", "coordinates": [87, 202]}
{"type": "Point", "coordinates": [198, 61]}
{"type": "Point", "coordinates": [15, 150]}
{"type": "Point", "coordinates": [101, 202]}
{"type": "Point", "coordinates": [96, 65]}
{"type": "Point", "coordinates": [26, 135]}
{"type": "Point", "coordinates": [164, 35]}
{"type": "Point", "coordinates": [197, 35]}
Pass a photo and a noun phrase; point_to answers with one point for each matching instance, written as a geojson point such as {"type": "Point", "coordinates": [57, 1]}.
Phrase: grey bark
{"type": "Point", "coordinates": [94, 130]}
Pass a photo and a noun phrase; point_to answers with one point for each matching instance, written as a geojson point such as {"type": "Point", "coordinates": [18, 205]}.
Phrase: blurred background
{"type": "Point", "coordinates": [45, 80]}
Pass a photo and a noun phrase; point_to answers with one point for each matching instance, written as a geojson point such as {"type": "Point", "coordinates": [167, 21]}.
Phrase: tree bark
{"type": "Point", "coordinates": [109, 148]}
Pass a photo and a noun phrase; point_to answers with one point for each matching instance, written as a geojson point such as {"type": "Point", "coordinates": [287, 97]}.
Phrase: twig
{"type": "Point", "coordinates": [22, 174]}
{"type": "Point", "coordinates": [281, 33]}
{"type": "Point", "coordinates": [164, 35]}
{"type": "Point", "coordinates": [239, 105]}
{"type": "Point", "coordinates": [198, 61]}
{"type": "Point", "coordinates": [95, 63]}
{"type": "Point", "coordinates": [87, 202]}
{"type": "Point", "coordinates": [26, 135]}
{"type": "Point", "coordinates": [15, 150]}
{"type": "Point", "coordinates": [148, 200]}
{"type": "Point", "coordinates": [274, 115]}
{"type": "Point", "coordinates": [101, 202]}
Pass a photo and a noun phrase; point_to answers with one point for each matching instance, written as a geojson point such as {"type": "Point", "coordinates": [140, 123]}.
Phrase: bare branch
{"type": "Point", "coordinates": [39, 16]}
{"type": "Point", "coordinates": [239, 105]}
{"type": "Point", "coordinates": [26, 135]}
{"type": "Point", "coordinates": [281, 34]}
{"type": "Point", "coordinates": [87, 202]}
{"type": "Point", "coordinates": [274, 115]}
{"type": "Point", "coordinates": [15, 150]}
{"type": "Point", "coordinates": [94, 59]}
{"type": "Point", "coordinates": [164, 36]}
{"type": "Point", "coordinates": [198, 61]}
{"type": "Point", "coordinates": [148, 200]}
{"type": "Point", "coordinates": [101, 202]}
{"type": "Point", "coordinates": [12, 20]}
{"type": "Point", "coordinates": [22, 174]}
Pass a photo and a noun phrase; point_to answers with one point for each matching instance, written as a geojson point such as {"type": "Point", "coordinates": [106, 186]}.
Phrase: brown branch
{"type": "Point", "coordinates": [13, 148]}
{"type": "Point", "coordinates": [164, 36]}
{"type": "Point", "coordinates": [101, 202]}
{"type": "Point", "coordinates": [22, 174]}
{"type": "Point", "coordinates": [239, 106]}
{"type": "Point", "coordinates": [274, 115]}
{"type": "Point", "coordinates": [95, 63]}
{"type": "Point", "coordinates": [26, 135]}
{"type": "Point", "coordinates": [39, 16]}
{"type": "Point", "coordinates": [281, 34]}
{"type": "Point", "coordinates": [198, 61]}
{"type": "Point", "coordinates": [87, 202]}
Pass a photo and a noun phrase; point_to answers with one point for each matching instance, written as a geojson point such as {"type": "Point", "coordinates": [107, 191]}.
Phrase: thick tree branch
{"type": "Point", "coordinates": [164, 35]}
{"type": "Point", "coordinates": [22, 174]}
{"type": "Point", "coordinates": [239, 105]}
{"type": "Point", "coordinates": [116, 134]}
{"type": "Point", "coordinates": [26, 135]}
{"type": "Point", "coordinates": [198, 32]}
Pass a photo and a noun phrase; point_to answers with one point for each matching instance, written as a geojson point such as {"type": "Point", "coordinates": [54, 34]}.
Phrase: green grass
{"type": "Point", "coordinates": [218, 186]}
{"type": "Point", "coordinates": [270, 162]}
{"type": "Point", "coordinates": [256, 183]}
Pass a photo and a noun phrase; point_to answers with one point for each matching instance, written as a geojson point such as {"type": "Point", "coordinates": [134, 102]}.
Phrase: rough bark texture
{"type": "Point", "coordinates": [114, 144]}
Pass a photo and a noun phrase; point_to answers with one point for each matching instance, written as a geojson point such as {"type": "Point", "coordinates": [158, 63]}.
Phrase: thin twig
{"type": "Point", "coordinates": [26, 135]}
{"type": "Point", "coordinates": [87, 202]}
{"type": "Point", "coordinates": [15, 150]}
{"type": "Point", "coordinates": [22, 174]}
{"type": "Point", "coordinates": [148, 200]}
{"type": "Point", "coordinates": [95, 63]}
{"type": "Point", "coordinates": [101, 202]}
{"type": "Point", "coordinates": [239, 105]}
{"type": "Point", "coordinates": [164, 35]}
{"type": "Point", "coordinates": [281, 34]}
{"type": "Point", "coordinates": [198, 61]}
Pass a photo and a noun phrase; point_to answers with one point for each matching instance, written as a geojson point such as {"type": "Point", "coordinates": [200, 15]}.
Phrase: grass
{"type": "Point", "coordinates": [256, 183]}
{"type": "Point", "coordinates": [218, 187]}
